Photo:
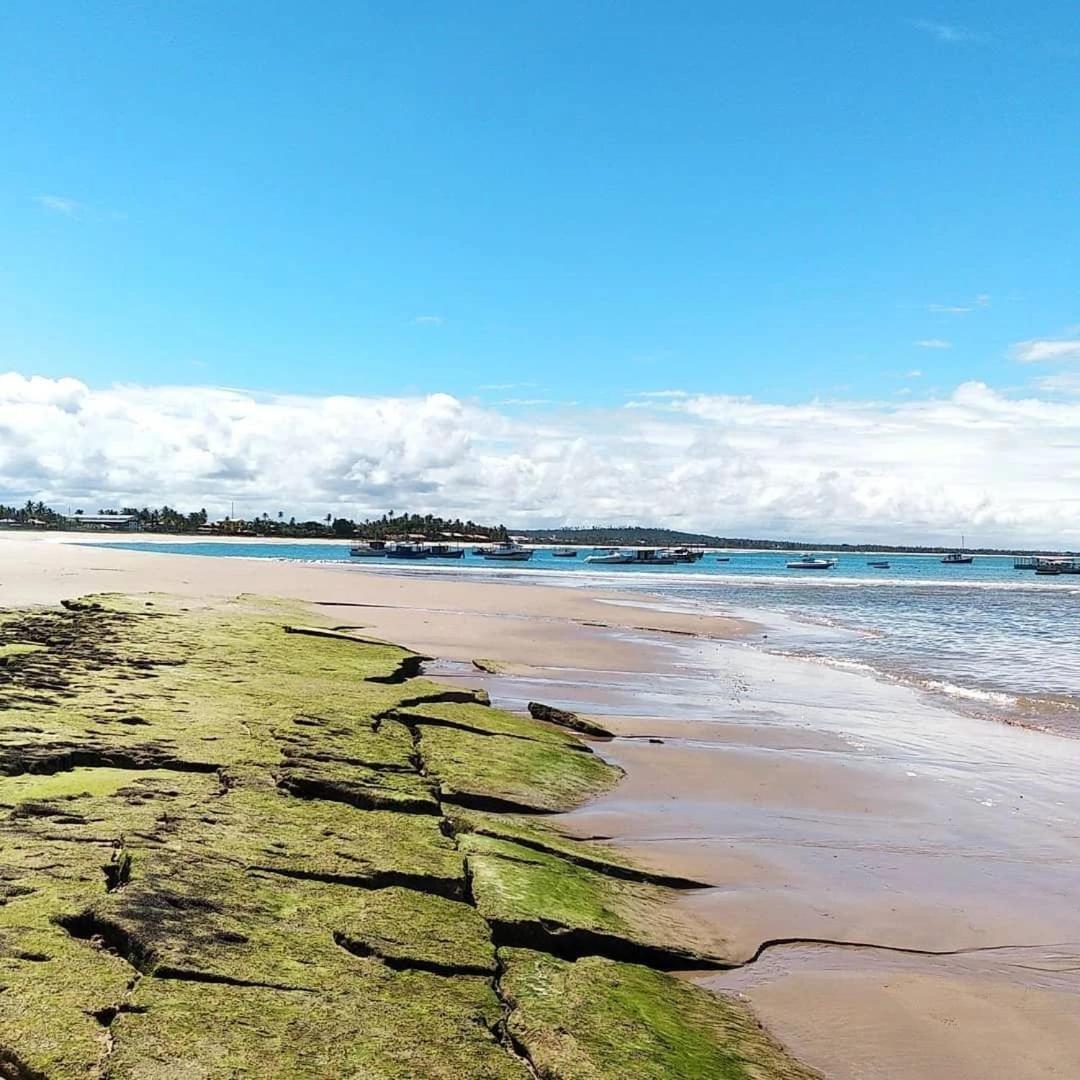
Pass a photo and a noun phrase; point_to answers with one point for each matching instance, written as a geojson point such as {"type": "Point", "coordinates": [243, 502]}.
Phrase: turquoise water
{"type": "Point", "coordinates": [988, 637]}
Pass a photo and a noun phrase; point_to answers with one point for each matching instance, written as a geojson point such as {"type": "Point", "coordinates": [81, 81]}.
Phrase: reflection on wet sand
{"type": "Point", "coordinates": [827, 806]}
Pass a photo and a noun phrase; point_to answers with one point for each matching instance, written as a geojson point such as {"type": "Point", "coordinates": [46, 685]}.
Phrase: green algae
{"type": "Point", "coordinates": [596, 1019]}
{"type": "Point", "coordinates": [540, 897]}
{"type": "Point", "coordinates": [532, 832]}
{"type": "Point", "coordinates": [227, 849]}
{"type": "Point", "coordinates": [386, 1025]}
{"type": "Point", "coordinates": [78, 781]}
{"type": "Point", "coordinates": [491, 772]}
{"type": "Point", "coordinates": [485, 720]}
{"type": "Point", "coordinates": [52, 990]}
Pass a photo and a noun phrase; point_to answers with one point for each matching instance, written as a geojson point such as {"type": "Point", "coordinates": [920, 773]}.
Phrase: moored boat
{"type": "Point", "coordinates": [405, 551]}
{"type": "Point", "coordinates": [879, 564]}
{"type": "Point", "coordinates": [811, 562]}
{"type": "Point", "coordinates": [609, 558]}
{"type": "Point", "coordinates": [958, 558]}
{"type": "Point", "coordinates": [684, 554]}
{"type": "Point", "coordinates": [443, 551]}
{"type": "Point", "coordinates": [373, 549]}
{"type": "Point", "coordinates": [633, 556]}
{"type": "Point", "coordinates": [508, 552]}
{"type": "Point", "coordinates": [564, 553]}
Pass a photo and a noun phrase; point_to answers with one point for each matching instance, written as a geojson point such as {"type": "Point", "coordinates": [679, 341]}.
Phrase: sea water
{"type": "Point", "coordinates": [989, 638]}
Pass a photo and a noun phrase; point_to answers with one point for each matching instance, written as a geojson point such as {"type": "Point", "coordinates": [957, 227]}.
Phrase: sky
{"type": "Point", "coordinates": [774, 269]}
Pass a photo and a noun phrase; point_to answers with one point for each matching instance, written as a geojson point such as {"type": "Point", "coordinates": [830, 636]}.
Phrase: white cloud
{"type": "Point", "coordinates": [1064, 382]}
{"type": "Point", "coordinates": [934, 343]}
{"type": "Point", "coordinates": [982, 300]}
{"type": "Point", "coordinates": [59, 204]}
{"type": "Point", "coordinates": [1006, 469]}
{"type": "Point", "coordinates": [429, 320]}
{"type": "Point", "coordinates": [1040, 350]}
{"type": "Point", "coordinates": [914, 373]}
{"type": "Point", "coordinates": [947, 32]}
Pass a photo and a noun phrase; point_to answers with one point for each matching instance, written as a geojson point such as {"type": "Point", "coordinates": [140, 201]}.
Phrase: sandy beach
{"type": "Point", "coordinates": [895, 882]}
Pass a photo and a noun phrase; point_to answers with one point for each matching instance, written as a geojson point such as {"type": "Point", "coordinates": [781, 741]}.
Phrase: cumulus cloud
{"type": "Point", "coordinates": [429, 320]}
{"type": "Point", "coordinates": [1004, 469]}
{"type": "Point", "coordinates": [934, 343]}
{"type": "Point", "coordinates": [1046, 349]}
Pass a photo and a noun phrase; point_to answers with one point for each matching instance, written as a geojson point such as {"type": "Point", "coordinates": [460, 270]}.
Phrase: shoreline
{"type": "Point", "coordinates": [822, 805]}
{"type": "Point", "coordinates": [835, 620]}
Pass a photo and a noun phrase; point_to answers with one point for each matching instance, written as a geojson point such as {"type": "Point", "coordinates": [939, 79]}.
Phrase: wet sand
{"type": "Point", "coordinates": [824, 806]}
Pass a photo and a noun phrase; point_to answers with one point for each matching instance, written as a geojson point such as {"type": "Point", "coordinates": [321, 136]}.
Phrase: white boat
{"type": "Point", "coordinates": [610, 558]}
{"type": "Point", "coordinates": [811, 562]}
{"type": "Point", "coordinates": [374, 549]}
{"type": "Point", "coordinates": [634, 556]}
{"type": "Point", "coordinates": [508, 552]}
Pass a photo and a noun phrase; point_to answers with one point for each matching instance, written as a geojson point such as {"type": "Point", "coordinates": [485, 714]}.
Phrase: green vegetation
{"type": "Point", "coordinates": [229, 850]}
{"type": "Point", "coordinates": [595, 1019]}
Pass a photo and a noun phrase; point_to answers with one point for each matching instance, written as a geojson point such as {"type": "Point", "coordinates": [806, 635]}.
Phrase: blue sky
{"type": "Point", "coordinates": [790, 269]}
{"type": "Point", "coordinates": [595, 198]}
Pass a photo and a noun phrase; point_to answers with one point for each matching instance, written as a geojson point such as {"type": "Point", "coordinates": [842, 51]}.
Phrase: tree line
{"type": "Point", "coordinates": [167, 519]}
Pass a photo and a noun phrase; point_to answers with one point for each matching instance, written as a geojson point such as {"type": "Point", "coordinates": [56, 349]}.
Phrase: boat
{"type": "Point", "coordinates": [634, 556]}
{"type": "Point", "coordinates": [609, 557]}
{"type": "Point", "coordinates": [684, 554]}
{"type": "Point", "coordinates": [958, 558]}
{"type": "Point", "coordinates": [811, 562]}
{"type": "Point", "coordinates": [564, 553]}
{"type": "Point", "coordinates": [508, 552]}
{"type": "Point", "coordinates": [1050, 569]}
{"type": "Point", "coordinates": [406, 551]}
{"type": "Point", "coordinates": [723, 558]}
{"type": "Point", "coordinates": [373, 549]}
{"type": "Point", "coordinates": [443, 551]}
{"type": "Point", "coordinates": [879, 564]}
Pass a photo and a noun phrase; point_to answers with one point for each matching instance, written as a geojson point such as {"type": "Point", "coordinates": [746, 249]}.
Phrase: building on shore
{"type": "Point", "coordinates": [103, 522]}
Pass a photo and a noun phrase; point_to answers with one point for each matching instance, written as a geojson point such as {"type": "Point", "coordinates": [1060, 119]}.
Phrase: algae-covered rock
{"type": "Point", "coordinates": [595, 1019]}
{"type": "Point", "coordinates": [382, 1025]}
{"type": "Point", "coordinates": [535, 898]}
{"type": "Point", "coordinates": [228, 850]}
{"type": "Point", "coordinates": [483, 720]}
{"type": "Point", "coordinates": [533, 832]}
{"type": "Point", "coordinates": [499, 773]}
{"type": "Point", "coordinates": [551, 715]}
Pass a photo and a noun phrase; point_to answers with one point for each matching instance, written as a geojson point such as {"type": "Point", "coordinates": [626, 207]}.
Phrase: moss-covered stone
{"type": "Point", "coordinates": [229, 850]}
{"type": "Point", "coordinates": [595, 1019]}
{"type": "Point", "coordinates": [485, 720]}
{"type": "Point", "coordinates": [534, 897]}
{"type": "Point", "coordinates": [497, 773]}
{"type": "Point", "coordinates": [383, 1025]}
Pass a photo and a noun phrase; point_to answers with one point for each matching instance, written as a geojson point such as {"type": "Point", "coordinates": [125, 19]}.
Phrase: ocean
{"type": "Point", "coordinates": [989, 639]}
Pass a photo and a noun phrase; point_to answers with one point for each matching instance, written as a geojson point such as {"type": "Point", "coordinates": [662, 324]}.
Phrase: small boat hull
{"type": "Point", "coordinates": [879, 565]}
{"type": "Point", "coordinates": [811, 564]}
{"type": "Point", "coordinates": [508, 556]}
